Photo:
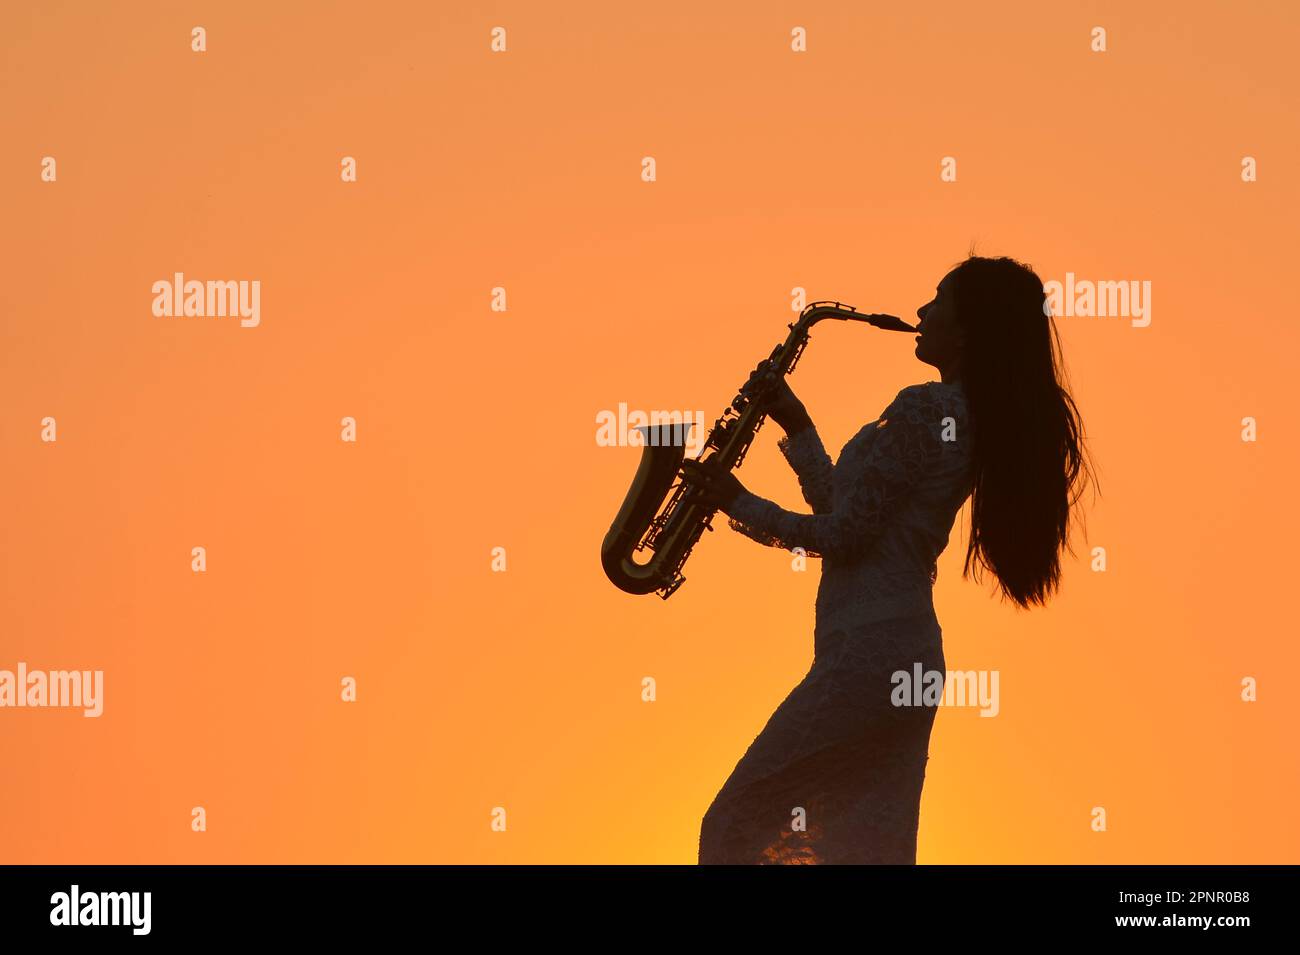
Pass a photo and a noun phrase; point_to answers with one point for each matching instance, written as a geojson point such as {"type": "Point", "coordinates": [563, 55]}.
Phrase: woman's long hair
{"type": "Point", "coordinates": [1031, 464]}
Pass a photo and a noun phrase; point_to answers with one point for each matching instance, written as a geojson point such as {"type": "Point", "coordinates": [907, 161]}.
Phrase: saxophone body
{"type": "Point", "coordinates": [661, 514]}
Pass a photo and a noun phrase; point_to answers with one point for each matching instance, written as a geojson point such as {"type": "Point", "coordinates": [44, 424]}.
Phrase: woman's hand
{"type": "Point", "coordinates": [775, 396]}
{"type": "Point", "coordinates": [716, 487]}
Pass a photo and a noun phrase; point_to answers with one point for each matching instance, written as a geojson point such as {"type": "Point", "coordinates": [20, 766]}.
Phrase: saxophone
{"type": "Point", "coordinates": [670, 533]}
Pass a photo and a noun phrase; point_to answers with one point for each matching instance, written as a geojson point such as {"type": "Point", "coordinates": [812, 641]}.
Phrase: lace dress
{"type": "Point", "coordinates": [836, 774]}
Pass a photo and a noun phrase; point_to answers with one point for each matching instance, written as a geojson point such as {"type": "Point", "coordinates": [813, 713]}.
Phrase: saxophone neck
{"type": "Point", "coordinates": [847, 313]}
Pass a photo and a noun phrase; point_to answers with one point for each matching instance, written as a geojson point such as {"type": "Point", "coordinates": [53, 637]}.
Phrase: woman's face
{"type": "Point", "coordinates": [939, 337]}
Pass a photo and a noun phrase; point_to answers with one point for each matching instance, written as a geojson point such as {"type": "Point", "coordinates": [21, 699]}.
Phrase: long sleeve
{"type": "Point", "coordinates": [804, 452]}
{"type": "Point", "coordinates": [906, 444]}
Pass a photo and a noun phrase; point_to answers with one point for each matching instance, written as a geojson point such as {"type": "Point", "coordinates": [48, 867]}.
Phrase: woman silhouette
{"type": "Point", "coordinates": [836, 774]}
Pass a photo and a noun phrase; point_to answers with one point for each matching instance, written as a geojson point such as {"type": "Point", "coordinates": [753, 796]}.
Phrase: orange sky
{"type": "Point", "coordinates": [476, 429]}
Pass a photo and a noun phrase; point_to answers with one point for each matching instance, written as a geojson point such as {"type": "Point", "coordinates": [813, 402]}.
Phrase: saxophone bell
{"type": "Point", "coordinates": [635, 526]}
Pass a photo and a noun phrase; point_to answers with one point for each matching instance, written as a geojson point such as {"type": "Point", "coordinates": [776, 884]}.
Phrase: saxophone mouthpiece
{"type": "Point", "coordinates": [891, 323]}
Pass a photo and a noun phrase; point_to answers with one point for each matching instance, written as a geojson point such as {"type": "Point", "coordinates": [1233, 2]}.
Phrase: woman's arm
{"type": "Point", "coordinates": [802, 448]}
{"type": "Point", "coordinates": [907, 444]}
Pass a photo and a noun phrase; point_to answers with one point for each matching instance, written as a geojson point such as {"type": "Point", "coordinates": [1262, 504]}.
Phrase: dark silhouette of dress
{"type": "Point", "coordinates": [836, 774]}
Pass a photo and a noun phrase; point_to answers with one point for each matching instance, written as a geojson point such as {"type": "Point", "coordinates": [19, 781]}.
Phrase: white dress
{"type": "Point", "coordinates": [836, 774]}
